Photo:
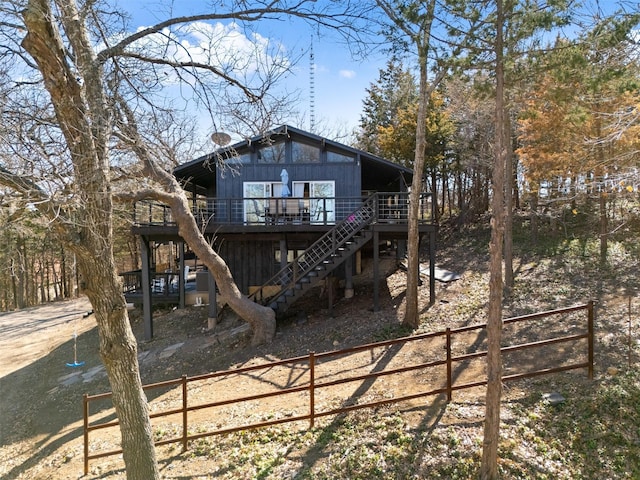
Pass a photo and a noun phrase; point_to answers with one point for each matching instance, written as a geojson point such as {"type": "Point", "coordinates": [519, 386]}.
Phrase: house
{"type": "Point", "coordinates": [285, 210]}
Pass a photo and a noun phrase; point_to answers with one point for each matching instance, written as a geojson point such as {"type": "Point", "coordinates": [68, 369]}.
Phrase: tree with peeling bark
{"type": "Point", "coordinates": [80, 90]}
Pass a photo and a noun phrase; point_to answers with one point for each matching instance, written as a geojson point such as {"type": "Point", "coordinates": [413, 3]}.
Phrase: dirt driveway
{"type": "Point", "coordinates": [35, 345]}
{"type": "Point", "coordinates": [30, 334]}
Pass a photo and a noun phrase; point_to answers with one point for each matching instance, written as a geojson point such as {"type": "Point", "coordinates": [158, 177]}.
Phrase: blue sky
{"type": "Point", "coordinates": [340, 80]}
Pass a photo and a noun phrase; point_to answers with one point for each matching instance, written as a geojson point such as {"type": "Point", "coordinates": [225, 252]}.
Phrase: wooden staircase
{"type": "Point", "coordinates": [319, 260]}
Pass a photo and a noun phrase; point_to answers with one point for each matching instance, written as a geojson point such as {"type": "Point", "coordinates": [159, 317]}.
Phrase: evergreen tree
{"type": "Point", "coordinates": [394, 91]}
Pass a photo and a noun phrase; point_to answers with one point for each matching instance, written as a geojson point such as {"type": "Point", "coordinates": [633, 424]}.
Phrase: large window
{"type": "Point", "coordinates": [238, 159]}
{"type": "Point", "coordinates": [322, 203]}
{"type": "Point", "coordinates": [319, 194]}
{"type": "Point", "coordinates": [304, 153]}
{"type": "Point", "coordinates": [272, 153]}
{"type": "Point", "coordinates": [335, 157]}
{"type": "Point", "coordinates": [255, 194]}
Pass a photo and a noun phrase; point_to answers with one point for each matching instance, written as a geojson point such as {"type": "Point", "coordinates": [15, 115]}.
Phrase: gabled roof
{"type": "Point", "coordinates": [377, 173]}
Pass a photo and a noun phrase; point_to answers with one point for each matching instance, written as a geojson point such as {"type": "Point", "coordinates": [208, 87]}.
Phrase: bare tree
{"type": "Point", "coordinates": [80, 88]}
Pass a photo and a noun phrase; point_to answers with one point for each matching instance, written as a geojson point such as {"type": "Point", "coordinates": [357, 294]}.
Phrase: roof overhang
{"type": "Point", "coordinates": [377, 174]}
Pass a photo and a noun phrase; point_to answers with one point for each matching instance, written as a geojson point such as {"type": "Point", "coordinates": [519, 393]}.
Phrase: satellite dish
{"type": "Point", "coordinates": [221, 138]}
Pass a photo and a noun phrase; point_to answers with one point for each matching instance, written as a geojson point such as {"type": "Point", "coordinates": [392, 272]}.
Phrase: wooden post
{"type": "Point", "coordinates": [147, 313]}
{"type": "Point", "coordinates": [85, 409]}
{"type": "Point", "coordinates": [348, 277]}
{"type": "Point", "coordinates": [283, 253]}
{"type": "Point", "coordinates": [591, 338]}
{"type": "Point", "coordinates": [182, 279]}
{"type": "Point", "coordinates": [330, 285]}
{"type": "Point", "coordinates": [449, 367]}
{"type": "Point", "coordinates": [213, 303]}
{"type": "Point", "coordinates": [312, 381]}
{"type": "Point", "coordinates": [376, 271]}
{"type": "Point", "coordinates": [185, 423]}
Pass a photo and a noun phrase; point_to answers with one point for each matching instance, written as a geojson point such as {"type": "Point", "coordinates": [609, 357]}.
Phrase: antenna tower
{"type": "Point", "coordinates": [312, 90]}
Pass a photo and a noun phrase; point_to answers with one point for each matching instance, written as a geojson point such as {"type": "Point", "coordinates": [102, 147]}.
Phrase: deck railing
{"type": "Point", "coordinates": [391, 207]}
{"type": "Point", "coordinates": [162, 283]}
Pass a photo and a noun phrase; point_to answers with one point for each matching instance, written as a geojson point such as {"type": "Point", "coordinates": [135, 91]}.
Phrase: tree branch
{"type": "Point", "coordinates": [270, 10]}
{"type": "Point", "coordinates": [202, 66]}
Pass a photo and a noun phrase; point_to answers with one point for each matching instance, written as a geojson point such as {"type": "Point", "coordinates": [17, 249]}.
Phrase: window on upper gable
{"type": "Point", "coordinates": [239, 159]}
{"type": "Point", "coordinates": [304, 153]}
{"type": "Point", "coordinates": [272, 153]}
{"type": "Point", "coordinates": [335, 157]}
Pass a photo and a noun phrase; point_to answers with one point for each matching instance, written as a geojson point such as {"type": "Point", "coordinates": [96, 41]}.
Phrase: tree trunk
{"type": "Point", "coordinates": [262, 319]}
{"type": "Point", "coordinates": [434, 192]}
{"type": "Point", "coordinates": [81, 112]}
{"type": "Point", "coordinates": [119, 353]}
{"type": "Point", "coordinates": [64, 288]}
{"type": "Point", "coordinates": [489, 466]}
{"type": "Point", "coordinates": [508, 223]}
{"type": "Point", "coordinates": [604, 228]}
{"type": "Point", "coordinates": [411, 317]}
{"type": "Point", "coordinates": [533, 217]}
{"type": "Point", "coordinates": [14, 284]}
{"type": "Point", "coordinates": [20, 297]}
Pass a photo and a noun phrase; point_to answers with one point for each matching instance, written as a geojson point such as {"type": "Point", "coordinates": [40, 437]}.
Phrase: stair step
{"type": "Point", "coordinates": [325, 256]}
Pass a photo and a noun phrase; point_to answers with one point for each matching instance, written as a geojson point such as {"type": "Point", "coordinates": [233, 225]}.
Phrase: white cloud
{"type": "Point", "coordinates": [347, 74]}
{"type": "Point", "coordinates": [226, 47]}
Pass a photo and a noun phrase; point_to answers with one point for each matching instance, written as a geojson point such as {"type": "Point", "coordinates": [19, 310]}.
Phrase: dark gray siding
{"type": "Point", "coordinates": [345, 175]}
{"type": "Point", "coordinates": [251, 262]}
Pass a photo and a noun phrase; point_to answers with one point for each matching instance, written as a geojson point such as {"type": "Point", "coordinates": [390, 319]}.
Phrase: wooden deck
{"type": "Point", "coordinates": [260, 237]}
{"type": "Point", "coordinates": [265, 216]}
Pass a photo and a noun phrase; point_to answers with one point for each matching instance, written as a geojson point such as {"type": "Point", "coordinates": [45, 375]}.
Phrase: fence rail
{"type": "Point", "coordinates": [314, 384]}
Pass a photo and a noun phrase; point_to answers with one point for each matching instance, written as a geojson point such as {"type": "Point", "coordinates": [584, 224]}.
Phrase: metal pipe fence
{"type": "Point", "coordinates": [451, 357]}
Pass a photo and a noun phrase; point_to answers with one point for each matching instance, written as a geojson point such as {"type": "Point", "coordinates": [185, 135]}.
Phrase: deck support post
{"type": "Point", "coordinates": [147, 314]}
{"type": "Point", "coordinates": [401, 250]}
{"type": "Point", "coordinates": [330, 283]}
{"type": "Point", "coordinates": [212, 317]}
{"type": "Point", "coordinates": [348, 277]}
{"type": "Point", "coordinates": [376, 271]}
{"type": "Point", "coordinates": [181, 276]}
{"type": "Point", "coordinates": [283, 253]}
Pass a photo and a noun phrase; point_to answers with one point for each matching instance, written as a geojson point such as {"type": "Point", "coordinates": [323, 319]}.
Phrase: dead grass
{"type": "Point", "coordinates": [594, 434]}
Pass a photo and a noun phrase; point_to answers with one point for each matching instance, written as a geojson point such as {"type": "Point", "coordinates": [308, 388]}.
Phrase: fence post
{"type": "Point", "coordinates": [185, 436]}
{"type": "Point", "coordinates": [312, 381]}
{"type": "Point", "coordinates": [85, 414]}
{"type": "Point", "coordinates": [449, 367]}
{"type": "Point", "coordinates": [591, 338]}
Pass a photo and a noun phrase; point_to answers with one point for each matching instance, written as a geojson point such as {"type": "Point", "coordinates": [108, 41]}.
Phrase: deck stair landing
{"type": "Point", "coordinates": [319, 260]}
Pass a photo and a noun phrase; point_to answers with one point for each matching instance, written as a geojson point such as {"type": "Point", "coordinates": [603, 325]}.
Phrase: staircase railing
{"type": "Point", "coordinates": [319, 252]}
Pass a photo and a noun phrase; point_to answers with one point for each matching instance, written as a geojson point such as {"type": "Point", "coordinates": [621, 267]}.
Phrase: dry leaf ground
{"type": "Point", "coordinates": [42, 397]}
